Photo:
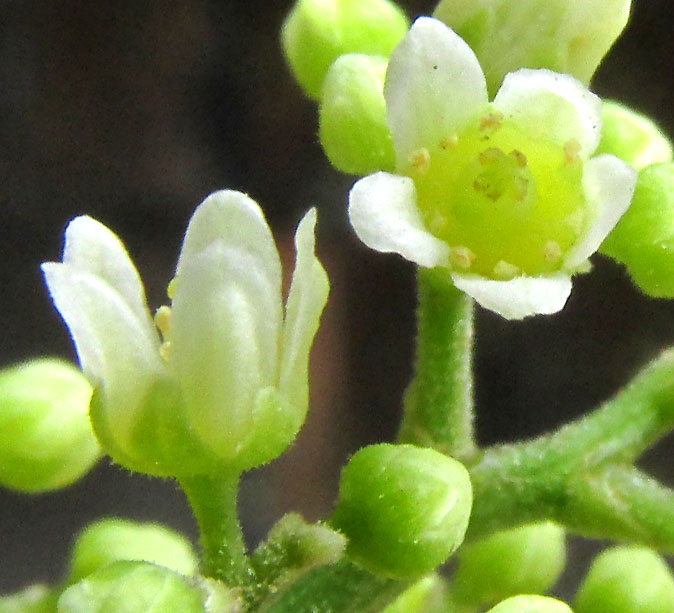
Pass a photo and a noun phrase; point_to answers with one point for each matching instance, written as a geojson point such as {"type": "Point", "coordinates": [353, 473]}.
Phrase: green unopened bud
{"type": "Point", "coordinates": [403, 509]}
{"type": "Point", "coordinates": [131, 587]}
{"type": "Point", "coordinates": [567, 36]}
{"type": "Point", "coordinates": [531, 604]}
{"type": "Point", "coordinates": [429, 594]}
{"type": "Point", "coordinates": [643, 240]}
{"type": "Point", "coordinates": [46, 440]}
{"type": "Point", "coordinates": [317, 32]}
{"type": "Point", "coordinates": [111, 540]}
{"type": "Point", "coordinates": [632, 137]}
{"type": "Point", "coordinates": [627, 580]}
{"type": "Point", "coordinates": [33, 599]}
{"type": "Point", "coordinates": [526, 560]}
{"type": "Point", "coordinates": [352, 116]}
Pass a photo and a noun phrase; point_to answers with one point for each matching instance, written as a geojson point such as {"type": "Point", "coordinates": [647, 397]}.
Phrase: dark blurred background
{"type": "Point", "coordinates": [133, 112]}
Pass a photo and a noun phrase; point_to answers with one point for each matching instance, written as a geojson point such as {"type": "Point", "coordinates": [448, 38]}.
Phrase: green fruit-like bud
{"type": "Point", "coordinates": [33, 599]}
{"type": "Point", "coordinates": [567, 36]}
{"type": "Point", "coordinates": [643, 240]}
{"type": "Point", "coordinates": [632, 137]}
{"type": "Point", "coordinates": [352, 116]}
{"type": "Point", "coordinates": [526, 560]}
{"type": "Point", "coordinates": [131, 587]}
{"type": "Point", "coordinates": [531, 604]}
{"type": "Point", "coordinates": [111, 540]}
{"type": "Point", "coordinates": [627, 580]}
{"type": "Point", "coordinates": [317, 32]}
{"type": "Point", "coordinates": [403, 509]}
{"type": "Point", "coordinates": [46, 440]}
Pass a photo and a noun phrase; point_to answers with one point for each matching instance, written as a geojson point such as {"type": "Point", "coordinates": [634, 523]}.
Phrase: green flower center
{"type": "Point", "coordinates": [507, 202]}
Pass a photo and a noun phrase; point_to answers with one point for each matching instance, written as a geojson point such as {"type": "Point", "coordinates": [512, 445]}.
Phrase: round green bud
{"type": "Point", "coordinates": [33, 599]}
{"type": "Point", "coordinates": [570, 36]}
{"type": "Point", "coordinates": [317, 32]}
{"type": "Point", "coordinates": [632, 137]}
{"type": "Point", "coordinates": [643, 240]}
{"type": "Point", "coordinates": [131, 587]}
{"type": "Point", "coordinates": [46, 439]}
{"type": "Point", "coordinates": [526, 560]}
{"type": "Point", "coordinates": [352, 116]}
{"type": "Point", "coordinates": [403, 509]}
{"type": "Point", "coordinates": [531, 604]}
{"type": "Point", "coordinates": [627, 580]}
{"type": "Point", "coordinates": [111, 540]}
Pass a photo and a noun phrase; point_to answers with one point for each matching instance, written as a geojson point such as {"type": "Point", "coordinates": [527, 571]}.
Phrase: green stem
{"type": "Point", "coordinates": [214, 504]}
{"type": "Point", "coordinates": [439, 401]}
{"type": "Point", "coordinates": [339, 588]}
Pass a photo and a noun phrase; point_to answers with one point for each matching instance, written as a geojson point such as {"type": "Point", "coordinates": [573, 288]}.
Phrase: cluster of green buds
{"type": "Point", "coordinates": [225, 385]}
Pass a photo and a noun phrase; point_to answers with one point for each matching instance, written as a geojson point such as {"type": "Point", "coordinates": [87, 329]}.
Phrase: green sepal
{"type": "Point", "coordinates": [110, 540]}
{"type": "Point", "coordinates": [33, 599]}
{"type": "Point", "coordinates": [525, 560]}
{"type": "Point", "coordinates": [632, 136]}
{"type": "Point", "coordinates": [643, 240]}
{"type": "Point", "coordinates": [531, 604]}
{"type": "Point", "coordinates": [403, 509]}
{"type": "Point", "coordinates": [131, 587]}
{"type": "Point", "coordinates": [627, 580]}
{"type": "Point", "coordinates": [317, 32]}
{"type": "Point", "coordinates": [352, 116]}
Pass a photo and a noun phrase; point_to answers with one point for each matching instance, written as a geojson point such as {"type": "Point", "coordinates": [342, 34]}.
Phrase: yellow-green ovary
{"type": "Point", "coordinates": [508, 202]}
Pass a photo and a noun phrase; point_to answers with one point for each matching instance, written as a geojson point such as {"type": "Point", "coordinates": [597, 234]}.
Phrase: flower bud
{"type": "Point", "coordinates": [130, 587]}
{"type": "Point", "coordinates": [111, 540]}
{"type": "Point", "coordinates": [317, 32]}
{"type": "Point", "coordinates": [627, 580]}
{"type": "Point", "coordinates": [526, 560]}
{"type": "Point", "coordinates": [531, 604]}
{"type": "Point", "coordinates": [403, 509]}
{"type": "Point", "coordinates": [632, 137]}
{"type": "Point", "coordinates": [352, 115]}
{"type": "Point", "coordinates": [33, 599]}
{"type": "Point", "coordinates": [643, 240]}
{"type": "Point", "coordinates": [567, 36]}
{"type": "Point", "coordinates": [46, 440]}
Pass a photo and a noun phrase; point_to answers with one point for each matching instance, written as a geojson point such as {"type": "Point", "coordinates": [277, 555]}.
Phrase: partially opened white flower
{"type": "Point", "coordinates": [504, 195]}
{"type": "Point", "coordinates": [227, 384]}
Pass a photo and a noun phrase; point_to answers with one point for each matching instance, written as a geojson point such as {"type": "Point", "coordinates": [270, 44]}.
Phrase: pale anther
{"type": "Point", "coordinates": [461, 257]}
{"type": "Point", "coordinates": [506, 270]}
{"type": "Point", "coordinates": [552, 252]}
{"type": "Point", "coordinates": [162, 320]}
{"type": "Point", "coordinates": [420, 160]}
{"type": "Point", "coordinates": [491, 121]}
{"type": "Point", "coordinates": [572, 150]}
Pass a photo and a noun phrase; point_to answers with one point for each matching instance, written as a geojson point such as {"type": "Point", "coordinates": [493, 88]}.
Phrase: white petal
{"type": "Point", "coordinates": [519, 297]}
{"type": "Point", "coordinates": [609, 186]}
{"type": "Point", "coordinates": [92, 247]}
{"type": "Point", "coordinates": [235, 219]}
{"type": "Point", "coordinates": [383, 212]}
{"type": "Point", "coordinates": [110, 341]}
{"type": "Point", "coordinates": [434, 85]}
{"type": "Point", "coordinates": [225, 330]}
{"type": "Point", "coordinates": [308, 293]}
{"type": "Point", "coordinates": [552, 105]}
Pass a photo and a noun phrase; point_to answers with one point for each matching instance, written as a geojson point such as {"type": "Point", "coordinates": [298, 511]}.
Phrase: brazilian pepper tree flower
{"type": "Point", "coordinates": [503, 195]}
{"type": "Point", "coordinates": [225, 385]}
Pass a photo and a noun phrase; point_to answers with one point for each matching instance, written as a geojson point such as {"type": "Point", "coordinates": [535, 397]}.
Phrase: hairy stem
{"type": "Point", "coordinates": [439, 401]}
{"type": "Point", "coordinates": [214, 504]}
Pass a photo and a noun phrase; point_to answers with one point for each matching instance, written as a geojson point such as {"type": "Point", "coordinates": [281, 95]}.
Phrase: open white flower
{"type": "Point", "coordinates": [504, 195]}
{"type": "Point", "coordinates": [228, 384]}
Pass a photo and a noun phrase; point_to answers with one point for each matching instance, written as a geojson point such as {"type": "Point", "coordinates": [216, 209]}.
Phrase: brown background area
{"type": "Point", "coordinates": [133, 112]}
